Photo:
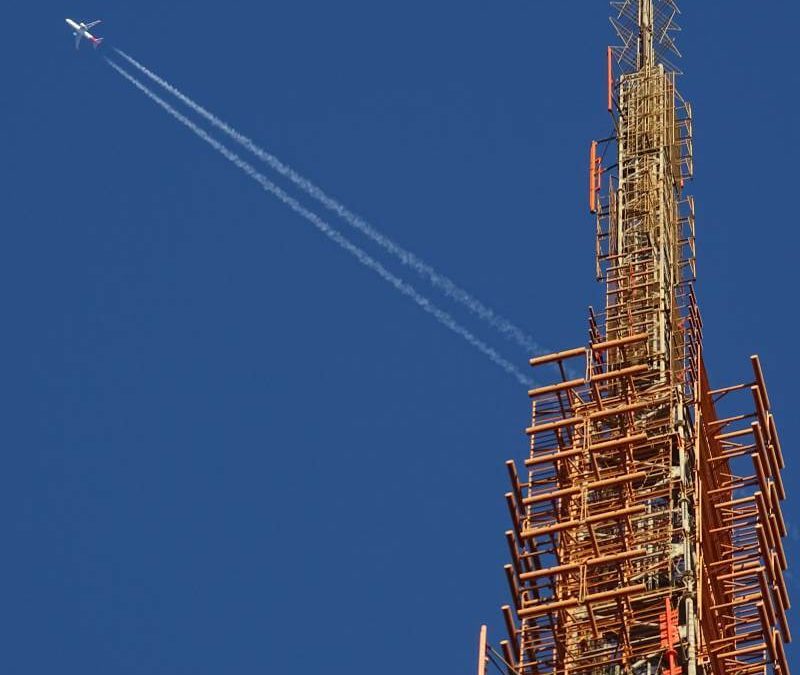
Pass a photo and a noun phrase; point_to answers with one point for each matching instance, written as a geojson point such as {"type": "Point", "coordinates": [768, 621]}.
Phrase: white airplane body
{"type": "Point", "coordinates": [81, 30]}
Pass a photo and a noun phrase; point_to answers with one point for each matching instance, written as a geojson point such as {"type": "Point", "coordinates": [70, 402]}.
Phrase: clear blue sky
{"type": "Point", "coordinates": [228, 448]}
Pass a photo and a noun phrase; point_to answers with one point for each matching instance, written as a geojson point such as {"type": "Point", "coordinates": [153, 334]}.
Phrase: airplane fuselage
{"type": "Point", "coordinates": [79, 30]}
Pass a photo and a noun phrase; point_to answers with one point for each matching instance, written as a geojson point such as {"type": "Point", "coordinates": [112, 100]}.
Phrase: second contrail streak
{"type": "Point", "coordinates": [440, 281]}
{"type": "Point", "coordinates": [365, 259]}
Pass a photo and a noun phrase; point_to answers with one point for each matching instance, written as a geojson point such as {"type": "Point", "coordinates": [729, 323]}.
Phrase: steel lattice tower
{"type": "Point", "coordinates": [646, 528]}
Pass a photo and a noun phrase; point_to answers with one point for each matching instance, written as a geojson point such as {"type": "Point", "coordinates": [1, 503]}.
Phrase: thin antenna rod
{"type": "Point", "coordinates": [646, 51]}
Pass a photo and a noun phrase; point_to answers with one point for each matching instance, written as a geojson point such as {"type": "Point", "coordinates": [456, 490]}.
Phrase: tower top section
{"type": "Point", "coordinates": [646, 29]}
{"type": "Point", "coordinates": [646, 55]}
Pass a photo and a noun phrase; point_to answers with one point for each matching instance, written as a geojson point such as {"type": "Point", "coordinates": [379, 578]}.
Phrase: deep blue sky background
{"type": "Point", "coordinates": [230, 448]}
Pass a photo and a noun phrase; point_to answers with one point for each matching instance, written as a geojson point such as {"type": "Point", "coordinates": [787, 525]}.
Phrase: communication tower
{"type": "Point", "coordinates": [646, 529]}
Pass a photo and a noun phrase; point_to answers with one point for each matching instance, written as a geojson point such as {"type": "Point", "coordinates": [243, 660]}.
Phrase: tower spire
{"type": "Point", "coordinates": [646, 30]}
{"type": "Point", "coordinates": [646, 50]}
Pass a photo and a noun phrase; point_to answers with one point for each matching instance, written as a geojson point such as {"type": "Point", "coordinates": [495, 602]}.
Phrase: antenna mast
{"type": "Point", "coordinates": [646, 527]}
{"type": "Point", "coordinates": [645, 33]}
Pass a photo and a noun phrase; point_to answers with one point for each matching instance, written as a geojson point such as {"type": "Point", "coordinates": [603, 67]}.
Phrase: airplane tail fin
{"type": "Point", "coordinates": [96, 42]}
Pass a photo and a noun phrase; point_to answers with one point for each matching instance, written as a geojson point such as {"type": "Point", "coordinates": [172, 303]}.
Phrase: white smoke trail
{"type": "Point", "coordinates": [440, 281]}
{"type": "Point", "coordinates": [365, 259]}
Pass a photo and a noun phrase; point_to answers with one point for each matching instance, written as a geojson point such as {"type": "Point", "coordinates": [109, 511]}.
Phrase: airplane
{"type": "Point", "coordinates": [81, 30]}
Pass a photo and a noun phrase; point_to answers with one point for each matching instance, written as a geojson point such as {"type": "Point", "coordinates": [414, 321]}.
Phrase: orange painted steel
{"type": "Point", "coordinates": [647, 533]}
{"type": "Point", "coordinates": [638, 500]}
{"type": "Point", "coordinates": [560, 386]}
{"type": "Point", "coordinates": [558, 356]}
{"type": "Point", "coordinates": [669, 638]}
{"type": "Point", "coordinates": [619, 342]}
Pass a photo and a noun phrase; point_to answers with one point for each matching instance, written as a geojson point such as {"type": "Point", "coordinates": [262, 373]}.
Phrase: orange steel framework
{"type": "Point", "coordinates": [647, 528]}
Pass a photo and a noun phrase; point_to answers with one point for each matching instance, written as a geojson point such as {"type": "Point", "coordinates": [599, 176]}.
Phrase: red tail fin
{"type": "Point", "coordinates": [96, 42]}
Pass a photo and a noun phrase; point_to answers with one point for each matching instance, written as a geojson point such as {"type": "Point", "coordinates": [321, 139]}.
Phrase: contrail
{"type": "Point", "coordinates": [440, 281]}
{"type": "Point", "coordinates": [365, 259]}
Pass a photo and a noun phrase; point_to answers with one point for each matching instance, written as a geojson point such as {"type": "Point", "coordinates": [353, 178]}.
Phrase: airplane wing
{"type": "Point", "coordinates": [92, 23]}
{"type": "Point", "coordinates": [78, 37]}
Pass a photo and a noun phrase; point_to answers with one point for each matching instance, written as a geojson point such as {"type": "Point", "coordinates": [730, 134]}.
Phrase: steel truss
{"type": "Point", "coordinates": [646, 526]}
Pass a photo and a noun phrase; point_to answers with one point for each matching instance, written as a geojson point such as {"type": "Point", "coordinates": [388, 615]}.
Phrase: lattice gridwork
{"type": "Point", "coordinates": [646, 529]}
